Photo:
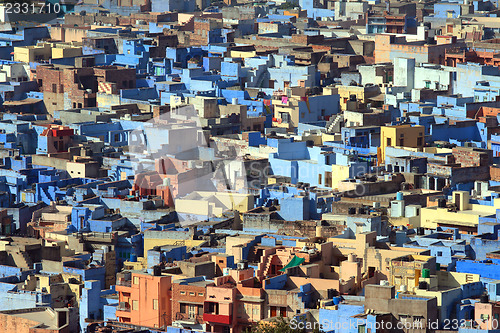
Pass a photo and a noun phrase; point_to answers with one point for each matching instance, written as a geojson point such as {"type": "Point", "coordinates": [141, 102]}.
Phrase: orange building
{"type": "Point", "coordinates": [144, 299]}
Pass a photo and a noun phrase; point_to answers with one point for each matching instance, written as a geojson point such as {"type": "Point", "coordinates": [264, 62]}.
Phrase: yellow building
{"type": "Point", "coordinates": [365, 246]}
{"type": "Point", "coordinates": [46, 51]}
{"type": "Point", "coordinates": [445, 286]}
{"type": "Point", "coordinates": [356, 94]}
{"type": "Point", "coordinates": [401, 136]}
{"type": "Point", "coordinates": [243, 54]}
{"type": "Point", "coordinates": [466, 217]}
{"type": "Point", "coordinates": [339, 174]}
{"type": "Point", "coordinates": [406, 271]}
{"type": "Point", "coordinates": [154, 238]}
{"type": "Point", "coordinates": [213, 203]}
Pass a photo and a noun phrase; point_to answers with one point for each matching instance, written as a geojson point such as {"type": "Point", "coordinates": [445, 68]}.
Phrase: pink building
{"type": "Point", "coordinates": [234, 303]}
{"type": "Point", "coordinates": [487, 315]}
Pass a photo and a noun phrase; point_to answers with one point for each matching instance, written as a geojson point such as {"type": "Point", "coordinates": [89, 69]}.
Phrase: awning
{"type": "Point", "coordinates": [296, 261]}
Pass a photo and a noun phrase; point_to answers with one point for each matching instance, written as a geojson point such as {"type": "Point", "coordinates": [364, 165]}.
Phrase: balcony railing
{"type": "Point", "coordinates": [217, 318]}
{"type": "Point", "coordinates": [123, 308]}
{"type": "Point", "coordinates": [186, 317]}
{"type": "Point", "coordinates": [125, 283]}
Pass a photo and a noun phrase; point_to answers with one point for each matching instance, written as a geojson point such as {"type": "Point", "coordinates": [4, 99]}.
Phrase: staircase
{"type": "Point", "coordinates": [21, 259]}
{"type": "Point", "coordinates": [265, 266]}
{"type": "Point", "coordinates": [333, 122]}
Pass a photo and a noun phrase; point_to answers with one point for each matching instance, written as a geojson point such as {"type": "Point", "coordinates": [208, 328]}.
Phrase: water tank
{"type": "Point", "coordinates": [420, 231]}
{"type": "Point", "coordinates": [133, 258]}
{"type": "Point", "coordinates": [484, 298]}
{"type": "Point", "coordinates": [399, 196]}
{"type": "Point", "coordinates": [422, 285]}
{"type": "Point", "coordinates": [351, 257]}
{"type": "Point", "coordinates": [403, 288]}
{"type": "Point", "coordinates": [234, 101]}
{"type": "Point", "coordinates": [376, 204]}
{"type": "Point", "coordinates": [384, 282]}
{"type": "Point", "coordinates": [426, 273]}
{"type": "Point", "coordinates": [242, 265]}
{"type": "Point", "coordinates": [156, 270]}
{"type": "Point", "coordinates": [336, 300]}
{"type": "Point", "coordinates": [166, 181]}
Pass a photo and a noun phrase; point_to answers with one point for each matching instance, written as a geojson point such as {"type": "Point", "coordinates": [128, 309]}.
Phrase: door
{"type": "Point", "coordinates": [192, 311]}
{"type": "Point", "coordinates": [273, 311]}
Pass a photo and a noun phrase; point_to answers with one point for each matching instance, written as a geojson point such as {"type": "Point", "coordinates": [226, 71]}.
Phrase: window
{"type": "Point", "coordinates": [201, 294]}
{"type": "Point", "coordinates": [332, 269]}
{"type": "Point", "coordinates": [183, 308]}
{"type": "Point", "coordinates": [155, 304]}
{"type": "Point", "coordinates": [183, 293]}
{"type": "Point", "coordinates": [440, 254]}
{"type": "Point", "coordinates": [221, 261]}
{"type": "Point", "coordinates": [54, 88]}
{"type": "Point", "coordinates": [191, 294]}
{"type": "Point", "coordinates": [428, 84]}
{"type": "Point", "coordinates": [135, 305]}
{"type": "Point", "coordinates": [136, 280]}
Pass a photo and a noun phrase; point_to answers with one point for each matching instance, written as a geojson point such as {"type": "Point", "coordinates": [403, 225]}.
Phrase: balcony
{"type": "Point", "coordinates": [125, 283]}
{"type": "Point", "coordinates": [123, 308]}
{"type": "Point", "coordinates": [217, 318]}
{"type": "Point", "coordinates": [190, 319]}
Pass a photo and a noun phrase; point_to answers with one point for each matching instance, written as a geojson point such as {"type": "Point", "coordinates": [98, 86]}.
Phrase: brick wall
{"type": "Point", "coordinates": [188, 295]}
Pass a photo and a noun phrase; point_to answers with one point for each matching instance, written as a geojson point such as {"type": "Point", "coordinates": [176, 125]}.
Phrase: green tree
{"type": "Point", "coordinates": [287, 5]}
{"type": "Point", "coordinates": [279, 325]}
